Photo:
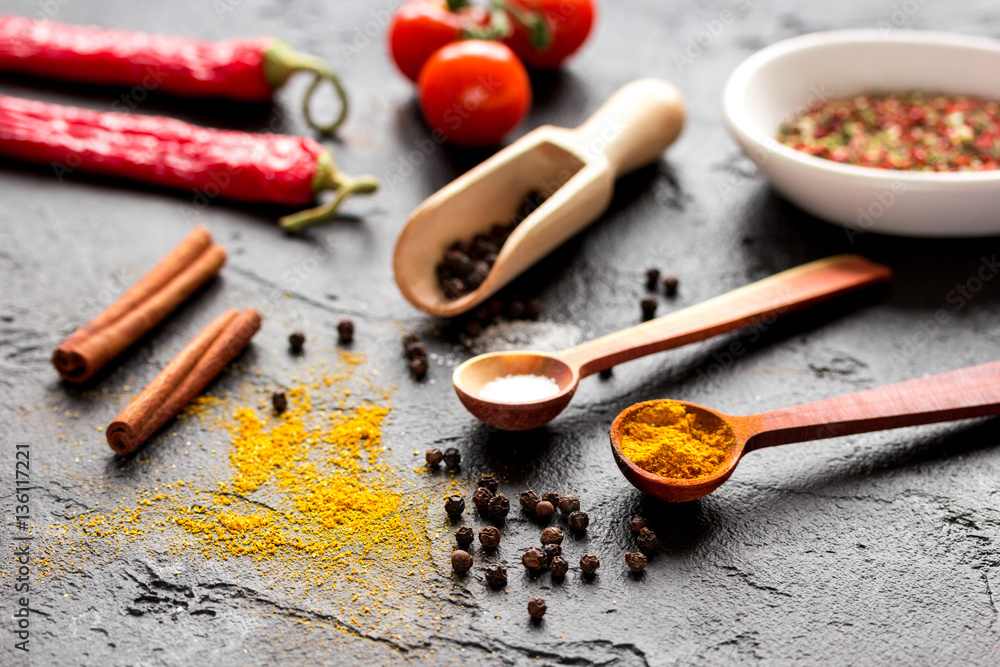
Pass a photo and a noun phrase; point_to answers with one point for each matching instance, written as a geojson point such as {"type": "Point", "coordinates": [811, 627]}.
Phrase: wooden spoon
{"type": "Point", "coordinates": [781, 293]}
{"type": "Point", "coordinates": [962, 394]}
{"type": "Point", "coordinates": [576, 169]}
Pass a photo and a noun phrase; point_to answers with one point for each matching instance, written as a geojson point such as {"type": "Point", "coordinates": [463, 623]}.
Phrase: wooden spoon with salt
{"type": "Point", "coordinates": [782, 293]}
{"type": "Point", "coordinates": [961, 394]}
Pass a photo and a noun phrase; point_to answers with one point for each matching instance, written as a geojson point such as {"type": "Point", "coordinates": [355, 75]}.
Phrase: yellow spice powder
{"type": "Point", "coordinates": [666, 439]}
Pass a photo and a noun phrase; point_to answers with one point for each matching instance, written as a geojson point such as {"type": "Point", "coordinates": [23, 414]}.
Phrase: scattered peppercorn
{"type": "Point", "coordinates": [532, 309]}
{"type": "Point", "coordinates": [464, 536]}
{"type": "Point", "coordinates": [489, 537]}
{"type": "Point", "coordinates": [473, 329]}
{"type": "Point", "coordinates": [578, 521]}
{"type": "Point", "coordinates": [648, 542]}
{"type": "Point", "coordinates": [452, 457]}
{"type": "Point", "coordinates": [410, 338]}
{"type": "Point", "coordinates": [296, 341]}
{"type": "Point", "coordinates": [551, 497]}
{"type": "Point", "coordinates": [533, 559]}
{"type": "Point", "coordinates": [670, 284]}
{"type": "Point", "coordinates": [461, 561]}
{"type": "Point", "coordinates": [544, 509]}
{"type": "Point", "coordinates": [552, 535]}
{"type": "Point", "coordinates": [514, 310]}
{"type": "Point", "coordinates": [499, 507]}
{"type": "Point", "coordinates": [481, 499]}
{"type": "Point", "coordinates": [636, 561]}
{"type": "Point", "coordinates": [648, 305]}
{"type": "Point", "coordinates": [536, 607]}
{"type": "Point", "coordinates": [652, 279]}
{"type": "Point", "coordinates": [589, 563]}
{"type": "Point", "coordinates": [279, 401]}
{"type": "Point", "coordinates": [551, 551]}
{"type": "Point", "coordinates": [607, 373]}
{"type": "Point", "coordinates": [345, 330]}
{"type": "Point", "coordinates": [454, 506]}
{"type": "Point", "coordinates": [419, 367]}
{"type": "Point", "coordinates": [416, 350]}
{"type": "Point", "coordinates": [559, 566]}
{"type": "Point", "coordinates": [569, 504]}
{"type": "Point", "coordinates": [529, 500]}
{"type": "Point", "coordinates": [433, 456]}
{"type": "Point", "coordinates": [637, 524]}
{"type": "Point", "coordinates": [488, 481]}
{"type": "Point", "coordinates": [496, 575]}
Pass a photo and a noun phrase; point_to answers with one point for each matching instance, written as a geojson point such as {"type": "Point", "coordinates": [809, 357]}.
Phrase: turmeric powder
{"type": "Point", "coordinates": [667, 439]}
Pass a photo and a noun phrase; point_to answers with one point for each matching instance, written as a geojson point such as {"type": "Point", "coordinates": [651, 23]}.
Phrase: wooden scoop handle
{"type": "Point", "coordinates": [962, 394]}
{"type": "Point", "coordinates": [781, 293]}
{"type": "Point", "coordinates": [633, 127]}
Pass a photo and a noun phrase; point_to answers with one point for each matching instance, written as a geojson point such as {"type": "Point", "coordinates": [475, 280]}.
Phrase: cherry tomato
{"type": "Point", "coordinates": [421, 27]}
{"type": "Point", "coordinates": [568, 22]}
{"type": "Point", "coordinates": [474, 91]}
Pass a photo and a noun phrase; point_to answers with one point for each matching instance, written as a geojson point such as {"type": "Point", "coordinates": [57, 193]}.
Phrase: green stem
{"type": "Point", "coordinates": [328, 177]}
{"type": "Point", "coordinates": [281, 61]}
{"type": "Point", "coordinates": [538, 30]}
{"type": "Point", "coordinates": [456, 5]}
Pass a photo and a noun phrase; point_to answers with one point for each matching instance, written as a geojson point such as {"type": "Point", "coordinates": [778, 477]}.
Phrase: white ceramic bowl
{"type": "Point", "coordinates": [784, 77]}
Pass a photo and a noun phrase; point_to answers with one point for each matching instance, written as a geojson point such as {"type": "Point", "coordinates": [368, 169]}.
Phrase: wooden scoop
{"type": "Point", "coordinates": [781, 293]}
{"type": "Point", "coordinates": [576, 169]}
{"type": "Point", "coordinates": [962, 394]}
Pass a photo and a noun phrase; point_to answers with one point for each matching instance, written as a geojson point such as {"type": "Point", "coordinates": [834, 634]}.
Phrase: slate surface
{"type": "Point", "coordinates": [875, 549]}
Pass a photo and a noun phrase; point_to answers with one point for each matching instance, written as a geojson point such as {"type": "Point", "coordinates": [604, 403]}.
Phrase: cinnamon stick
{"type": "Point", "coordinates": [144, 305]}
{"type": "Point", "coordinates": [183, 379]}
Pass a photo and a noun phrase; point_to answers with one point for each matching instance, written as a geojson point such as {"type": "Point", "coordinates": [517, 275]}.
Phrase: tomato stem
{"type": "Point", "coordinates": [456, 5]}
{"type": "Point", "coordinates": [534, 21]}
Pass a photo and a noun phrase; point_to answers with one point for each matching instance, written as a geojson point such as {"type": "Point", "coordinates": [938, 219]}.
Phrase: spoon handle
{"type": "Point", "coordinates": [782, 293]}
{"type": "Point", "coordinates": [961, 394]}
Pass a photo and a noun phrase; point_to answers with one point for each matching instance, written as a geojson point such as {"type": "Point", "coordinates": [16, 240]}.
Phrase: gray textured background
{"type": "Point", "coordinates": [875, 549]}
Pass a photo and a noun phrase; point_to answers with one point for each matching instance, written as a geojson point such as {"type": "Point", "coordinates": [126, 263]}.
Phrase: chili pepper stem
{"type": "Point", "coordinates": [328, 177]}
{"type": "Point", "coordinates": [281, 61]}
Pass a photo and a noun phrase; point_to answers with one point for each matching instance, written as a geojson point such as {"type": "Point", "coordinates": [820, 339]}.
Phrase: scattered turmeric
{"type": "Point", "coordinates": [667, 439]}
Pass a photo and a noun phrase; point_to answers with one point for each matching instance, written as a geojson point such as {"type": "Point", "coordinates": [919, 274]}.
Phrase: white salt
{"type": "Point", "coordinates": [519, 389]}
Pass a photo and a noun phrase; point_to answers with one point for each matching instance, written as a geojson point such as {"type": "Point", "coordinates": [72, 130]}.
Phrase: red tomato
{"type": "Point", "coordinates": [474, 91]}
{"type": "Point", "coordinates": [421, 27]}
{"type": "Point", "coordinates": [569, 22]}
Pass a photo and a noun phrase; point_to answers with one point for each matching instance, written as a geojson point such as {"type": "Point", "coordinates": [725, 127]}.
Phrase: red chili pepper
{"type": "Point", "coordinates": [271, 168]}
{"type": "Point", "coordinates": [245, 70]}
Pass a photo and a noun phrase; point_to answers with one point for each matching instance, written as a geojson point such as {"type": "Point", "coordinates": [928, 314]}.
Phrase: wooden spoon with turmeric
{"type": "Point", "coordinates": [680, 451]}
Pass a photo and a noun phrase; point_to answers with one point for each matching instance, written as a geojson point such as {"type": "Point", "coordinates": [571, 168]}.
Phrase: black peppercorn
{"type": "Point", "coordinates": [636, 524]}
{"type": "Point", "coordinates": [569, 504]}
{"type": "Point", "coordinates": [589, 563]}
{"type": "Point", "coordinates": [433, 456]}
{"type": "Point", "coordinates": [416, 350]}
{"type": "Point", "coordinates": [536, 607]}
{"type": "Point", "coordinates": [648, 542]}
{"type": "Point", "coordinates": [409, 339]}
{"type": "Point", "coordinates": [528, 499]}
{"type": "Point", "coordinates": [473, 329]}
{"type": "Point", "coordinates": [496, 575]}
{"type": "Point", "coordinates": [489, 537]}
{"type": "Point", "coordinates": [279, 401]}
{"type": "Point", "coordinates": [461, 561]}
{"type": "Point", "coordinates": [452, 457]}
{"type": "Point", "coordinates": [648, 305]}
{"type": "Point", "coordinates": [559, 566]}
{"type": "Point", "coordinates": [607, 373]}
{"type": "Point", "coordinates": [635, 561]}
{"type": "Point", "coordinates": [345, 330]}
{"type": "Point", "coordinates": [496, 307]}
{"type": "Point", "coordinates": [652, 279]}
{"type": "Point", "coordinates": [551, 497]}
{"type": "Point", "coordinates": [481, 499]}
{"type": "Point", "coordinates": [419, 367]}
{"type": "Point", "coordinates": [464, 536]}
{"type": "Point", "coordinates": [544, 509]}
{"type": "Point", "coordinates": [514, 310]}
{"type": "Point", "coordinates": [488, 481]}
{"type": "Point", "coordinates": [551, 551]}
{"type": "Point", "coordinates": [454, 506]}
{"type": "Point", "coordinates": [532, 309]}
{"type": "Point", "coordinates": [552, 535]}
{"type": "Point", "coordinates": [533, 559]}
{"type": "Point", "coordinates": [499, 507]}
{"type": "Point", "coordinates": [670, 284]}
{"type": "Point", "coordinates": [296, 341]}
{"type": "Point", "coordinates": [482, 315]}
{"type": "Point", "coordinates": [578, 521]}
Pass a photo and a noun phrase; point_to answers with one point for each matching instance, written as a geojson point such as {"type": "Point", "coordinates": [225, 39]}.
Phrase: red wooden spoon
{"type": "Point", "coordinates": [962, 394]}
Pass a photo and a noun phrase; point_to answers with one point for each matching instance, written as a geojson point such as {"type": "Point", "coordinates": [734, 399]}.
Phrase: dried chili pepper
{"type": "Point", "coordinates": [242, 166]}
{"type": "Point", "coordinates": [245, 70]}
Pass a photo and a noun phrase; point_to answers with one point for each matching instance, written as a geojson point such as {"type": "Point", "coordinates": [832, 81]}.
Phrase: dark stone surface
{"type": "Point", "coordinates": [874, 549]}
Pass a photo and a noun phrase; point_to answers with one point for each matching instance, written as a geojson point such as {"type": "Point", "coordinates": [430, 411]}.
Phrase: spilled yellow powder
{"type": "Point", "coordinates": [666, 439]}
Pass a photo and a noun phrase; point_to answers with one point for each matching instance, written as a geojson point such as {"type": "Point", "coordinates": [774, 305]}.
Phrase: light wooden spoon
{"type": "Point", "coordinates": [781, 293]}
{"type": "Point", "coordinates": [575, 168]}
{"type": "Point", "coordinates": [961, 394]}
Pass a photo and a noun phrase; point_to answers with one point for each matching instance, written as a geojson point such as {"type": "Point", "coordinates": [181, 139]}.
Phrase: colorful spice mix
{"type": "Point", "coordinates": [911, 131]}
